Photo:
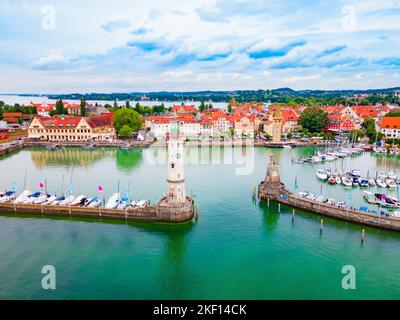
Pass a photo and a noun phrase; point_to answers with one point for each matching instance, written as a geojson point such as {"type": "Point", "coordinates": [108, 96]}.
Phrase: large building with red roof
{"type": "Point", "coordinates": [73, 129]}
{"type": "Point", "coordinates": [390, 127]}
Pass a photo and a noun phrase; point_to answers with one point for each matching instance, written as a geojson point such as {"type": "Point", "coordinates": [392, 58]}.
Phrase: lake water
{"type": "Point", "coordinates": [26, 100]}
{"type": "Point", "coordinates": [237, 250]}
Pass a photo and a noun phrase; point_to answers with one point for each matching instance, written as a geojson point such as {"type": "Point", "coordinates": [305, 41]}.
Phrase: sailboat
{"type": "Point", "coordinates": [113, 201]}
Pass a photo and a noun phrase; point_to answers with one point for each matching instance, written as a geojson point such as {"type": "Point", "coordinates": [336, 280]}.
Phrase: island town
{"type": "Point", "coordinates": [343, 131]}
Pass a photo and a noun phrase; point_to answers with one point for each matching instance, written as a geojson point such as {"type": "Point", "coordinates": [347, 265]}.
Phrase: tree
{"type": "Point", "coordinates": [127, 104]}
{"type": "Point", "coordinates": [369, 127]}
{"type": "Point", "coordinates": [125, 131]}
{"type": "Point", "coordinates": [289, 135]}
{"type": "Point", "coordinates": [127, 117]}
{"type": "Point", "coordinates": [83, 108]}
{"type": "Point", "coordinates": [115, 105]}
{"type": "Point", "coordinates": [313, 119]}
{"type": "Point", "coordinates": [202, 106]}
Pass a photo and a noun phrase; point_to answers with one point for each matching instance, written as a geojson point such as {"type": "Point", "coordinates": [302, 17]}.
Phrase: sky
{"type": "Point", "coordinates": [179, 45]}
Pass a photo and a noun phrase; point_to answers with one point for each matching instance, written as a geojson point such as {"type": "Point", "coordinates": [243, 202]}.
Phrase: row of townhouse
{"type": "Point", "coordinates": [205, 127]}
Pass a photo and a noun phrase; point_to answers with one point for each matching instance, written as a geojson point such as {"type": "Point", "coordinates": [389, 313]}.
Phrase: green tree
{"type": "Point", "coordinates": [127, 117]}
{"type": "Point", "coordinates": [83, 108]}
{"type": "Point", "coordinates": [127, 104]}
{"type": "Point", "coordinates": [313, 119]}
{"type": "Point", "coordinates": [369, 127]}
{"type": "Point", "coordinates": [125, 131]}
{"type": "Point", "coordinates": [202, 106]}
{"type": "Point", "coordinates": [115, 106]}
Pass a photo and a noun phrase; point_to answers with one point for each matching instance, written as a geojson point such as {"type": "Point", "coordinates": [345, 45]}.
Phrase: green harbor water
{"type": "Point", "coordinates": [238, 249]}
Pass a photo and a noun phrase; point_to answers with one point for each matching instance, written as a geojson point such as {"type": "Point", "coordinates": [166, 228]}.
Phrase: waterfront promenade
{"type": "Point", "coordinates": [272, 189]}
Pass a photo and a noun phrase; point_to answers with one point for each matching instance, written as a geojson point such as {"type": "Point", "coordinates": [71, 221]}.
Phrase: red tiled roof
{"type": "Point", "coordinates": [390, 123]}
{"type": "Point", "coordinates": [12, 114]}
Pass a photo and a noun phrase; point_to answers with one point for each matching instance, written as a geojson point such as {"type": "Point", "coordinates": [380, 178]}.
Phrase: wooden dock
{"type": "Point", "coordinates": [272, 189]}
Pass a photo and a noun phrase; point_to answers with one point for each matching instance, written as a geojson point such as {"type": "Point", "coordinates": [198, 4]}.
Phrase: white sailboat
{"type": "Point", "coordinates": [113, 201]}
{"type": "Point", "coordinates": [23, 197]}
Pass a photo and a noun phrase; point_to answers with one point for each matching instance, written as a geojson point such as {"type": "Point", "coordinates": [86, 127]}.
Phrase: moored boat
{"type": "Point", "coordinates": [321, 174]}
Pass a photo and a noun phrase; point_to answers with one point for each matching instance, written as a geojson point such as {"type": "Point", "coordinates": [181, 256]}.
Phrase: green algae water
{"type": "Point", "coordinates": [238, 249]}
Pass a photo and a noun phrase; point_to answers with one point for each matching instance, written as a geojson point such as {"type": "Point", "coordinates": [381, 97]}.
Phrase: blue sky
{"type": "Point", "coordinates": [178, 45]}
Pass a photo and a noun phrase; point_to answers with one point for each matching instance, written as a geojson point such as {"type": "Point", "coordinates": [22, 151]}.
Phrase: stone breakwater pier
{"type": "Point", "coordinates": [161, 212]}
{"type": "Point", "coordinates": [272, 189]}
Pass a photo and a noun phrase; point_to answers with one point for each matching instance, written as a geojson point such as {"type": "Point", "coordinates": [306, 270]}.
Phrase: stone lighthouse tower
{"type": "Point", "coordinates": [175, 175]}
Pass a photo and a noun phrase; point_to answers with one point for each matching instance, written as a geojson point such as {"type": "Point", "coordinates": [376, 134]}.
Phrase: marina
{"type": "Point", "coordinates": [196, 260]}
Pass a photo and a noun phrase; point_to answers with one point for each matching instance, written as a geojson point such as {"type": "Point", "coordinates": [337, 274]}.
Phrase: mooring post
{"type": "Point", "coordinates": [279, 207]}
{"type": "Point", "coordinates": [362, 235]}
{"type": "Point", "coordinates": [268, 202]}
{"type": "Point", "coordinates": [322, 225]}
{"type": "Point", "coordinates": [293, 215]}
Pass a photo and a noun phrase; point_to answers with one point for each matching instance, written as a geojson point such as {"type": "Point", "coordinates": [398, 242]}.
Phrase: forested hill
{"type": "Point", "coordinates": [281, 95]}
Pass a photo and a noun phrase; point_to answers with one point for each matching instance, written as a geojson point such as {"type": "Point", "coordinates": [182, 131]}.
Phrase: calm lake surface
{"type": "Point", "coordinates": [237, 250]}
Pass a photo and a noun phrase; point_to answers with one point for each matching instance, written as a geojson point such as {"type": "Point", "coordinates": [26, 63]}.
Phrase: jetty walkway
{"type": "Point", "coordinates": [272, 189]}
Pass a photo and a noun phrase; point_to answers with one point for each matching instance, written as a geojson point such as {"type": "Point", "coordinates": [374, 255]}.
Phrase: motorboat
{"type": "Point", "coordinates": [364, 182]}
{"type": "Point", "coordinates": [57, 201]}
{"type": "Point", "coordinates": [31, 199]}
{"type": "Point", "coordinates": [142, 204]}
{"type": "Point", "coordinates": [7, 197]}
{"type": "Point", "coordinates": [316, 159]}
{"type": "Point", "coordinates": [386, 201]}
{"type": "Point", "coordinates": [370, 197]}
{"type": "Point", "coordinates": [287, 147]}
{"type": "Point", "coordinates": [381, 183]}
{"type": "Point", "coordinates": [113, 201]}
{"type": "Point", "coordinates": [355, 181]}
{"type": "Point", "coordinates": [390, 183]}
{"type": "Point", "coordinates": [321, 174]}
{"type": "Point", "coordinates": [94, 203]}
{"type": "Point", "coordinates": [76, 202]}
{"type": "Point", "coordinates": [22, 197]}
{"type": "Point", "coordinates": [337, 180]}
{"type": "Point", "coordinates": [347, 181]}
{"type": "Point", "coordinates": [355, 173]}
{"type": "Point", "coordinates": [50, 200]}
{"type": "Point", "coordinates": [67, 201]}
{"type": "Point", "coordinates": [331, 180]}
{"type": "Point", "coordinates": [123, 204]}
{"type": "Point", "coordinates": [41, 199]}
{"type": "Point", "coordinates": [372, 182]}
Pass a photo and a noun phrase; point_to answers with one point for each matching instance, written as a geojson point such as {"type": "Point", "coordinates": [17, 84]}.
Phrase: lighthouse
{"type": "Point", "coordinates": [175, 173]}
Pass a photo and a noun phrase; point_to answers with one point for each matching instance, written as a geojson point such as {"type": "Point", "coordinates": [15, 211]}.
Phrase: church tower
{"type": "Point", "coordinates": [175, 176]}
{"type": "Point", "coordinates": [277, 126]}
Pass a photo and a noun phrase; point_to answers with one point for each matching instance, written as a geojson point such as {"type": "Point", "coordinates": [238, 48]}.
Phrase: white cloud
{"type": "Point", "coordinates": [205, 45]}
